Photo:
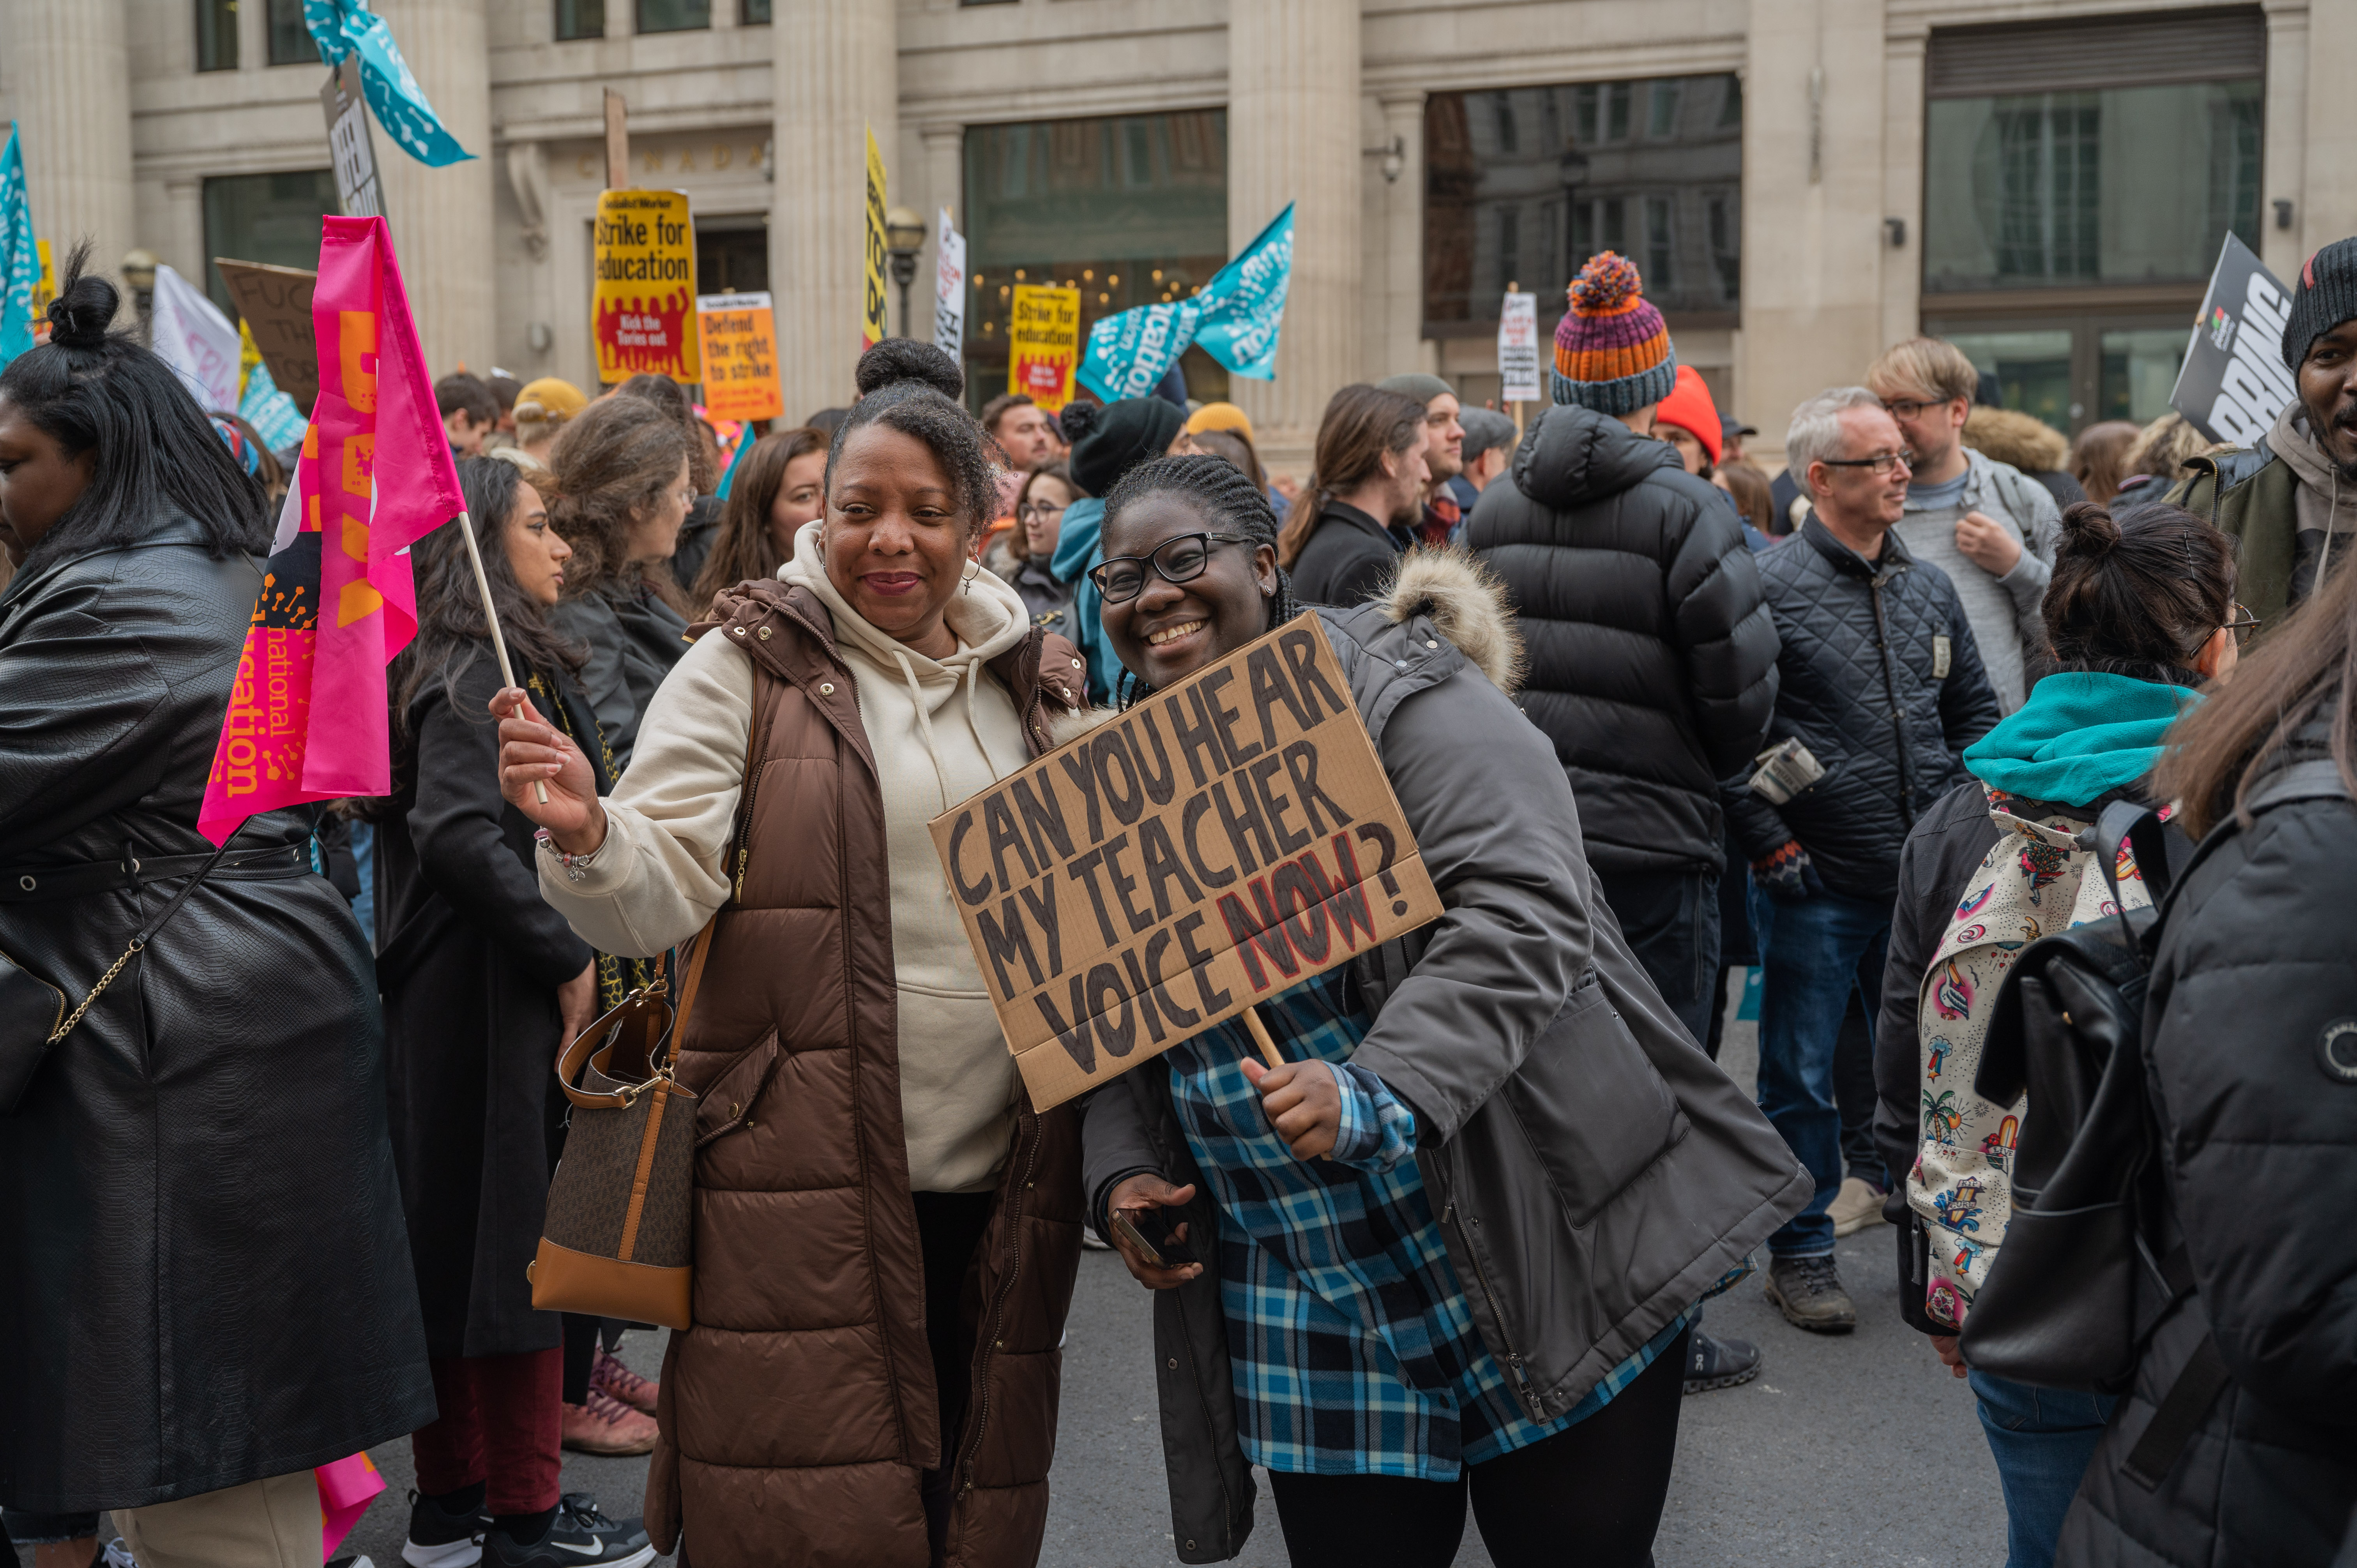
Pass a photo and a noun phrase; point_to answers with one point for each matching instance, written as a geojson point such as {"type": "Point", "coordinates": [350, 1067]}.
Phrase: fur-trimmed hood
{"type": "Point", "coordinates": [1463, 598]}
{"type": "Point", "coordinates": [2019, 440]}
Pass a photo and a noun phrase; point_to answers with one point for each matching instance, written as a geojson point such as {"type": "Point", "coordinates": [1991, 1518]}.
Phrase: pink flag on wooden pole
{"type": "Point", "coordinates": [306, 714]}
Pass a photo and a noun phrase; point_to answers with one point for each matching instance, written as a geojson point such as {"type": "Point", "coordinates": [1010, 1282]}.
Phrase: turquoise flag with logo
{"type": "Point", "coordinates": [1235, 319]}
{"type": "Point", "coordinates": [20, 254]}
{"type": "Point", "coordinates": [271, 412]}
{"type": "Point", "coordinates": [342, 28]}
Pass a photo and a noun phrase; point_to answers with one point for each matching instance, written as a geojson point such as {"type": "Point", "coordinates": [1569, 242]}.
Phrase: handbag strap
{"type": "Point", "coordinates": [141, 938]}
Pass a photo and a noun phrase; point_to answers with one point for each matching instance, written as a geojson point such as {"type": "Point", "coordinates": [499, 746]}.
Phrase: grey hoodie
{"type": "Point", "coordinates": [2002, 611]}
{"type": "Point", "coordinates": [1593, 1172]}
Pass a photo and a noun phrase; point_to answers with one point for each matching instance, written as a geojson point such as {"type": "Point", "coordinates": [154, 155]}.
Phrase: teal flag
{"type": "Point", "coordinates": [271, 412]}
{"type": "Point", "coordinates": [342, 28]}
{"type": "Point", "coordinates": [20, 254]}
{"type": "Point", "coordinates": [1235, 319]}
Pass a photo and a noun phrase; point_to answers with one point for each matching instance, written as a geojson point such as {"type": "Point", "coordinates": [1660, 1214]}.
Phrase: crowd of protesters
{"type": "Point", "coordinates": [1875, 724]}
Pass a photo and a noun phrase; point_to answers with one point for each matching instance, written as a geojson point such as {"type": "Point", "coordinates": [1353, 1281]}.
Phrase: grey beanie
{"type": "Point", "coordinates": [1417, 385]}
{"type": "Point", "coordinates": [2326, 297]}
{"type": "Point", "coordinates": [1485, 429]}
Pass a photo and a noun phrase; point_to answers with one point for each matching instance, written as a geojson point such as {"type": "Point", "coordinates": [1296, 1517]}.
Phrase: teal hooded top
{"type": "Point", "coordinates": [2078, 737]}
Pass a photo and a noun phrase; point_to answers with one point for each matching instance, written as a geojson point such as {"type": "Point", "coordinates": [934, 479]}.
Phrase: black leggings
{"type": "Point", "coordinates": [1591, 1495]}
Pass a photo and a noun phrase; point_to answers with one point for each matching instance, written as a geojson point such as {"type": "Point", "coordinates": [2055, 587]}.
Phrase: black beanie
{"type": "Point", "coordinates": [2326, 297]}
{"type": "Point", "coordinates": [1122, 436]}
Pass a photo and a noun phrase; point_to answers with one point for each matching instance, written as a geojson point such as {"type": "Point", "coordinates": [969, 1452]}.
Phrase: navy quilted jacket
{"type": "Point", "coordinates": [1869, 690]}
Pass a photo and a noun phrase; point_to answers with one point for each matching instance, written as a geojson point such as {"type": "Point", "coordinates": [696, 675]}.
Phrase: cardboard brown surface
{"type": "Point", "coordinates": [276, 304]}
{"type": "Point", "coordinates": [1221, 841]}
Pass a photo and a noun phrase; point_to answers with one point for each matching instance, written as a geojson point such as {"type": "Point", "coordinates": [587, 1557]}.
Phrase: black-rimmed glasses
{"type": "Point", "coordinates": [1030, 510]}
{"type": "Point", "coordinates": [1178, 560]}
{"type": "Point", "coordinates": [1881, 462]}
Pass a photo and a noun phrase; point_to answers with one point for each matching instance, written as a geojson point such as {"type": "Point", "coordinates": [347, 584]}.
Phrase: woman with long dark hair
{"type": "Point", "coordinates": [1448, 1252]}
{"type": "Point", "coordinates": [779, 487]}
{"type": "Point", "coordinates": [206, 1291]}
{"type": "Point", "coordinates": [483, 984]}
{"type": "Point", "coordinates": [624, 472]}
{"type": "Point", "coordinates": [1359, 507]}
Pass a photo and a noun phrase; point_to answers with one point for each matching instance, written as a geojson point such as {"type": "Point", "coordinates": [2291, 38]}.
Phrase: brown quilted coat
{"type": "Point", "coordinates": [798, 1413]}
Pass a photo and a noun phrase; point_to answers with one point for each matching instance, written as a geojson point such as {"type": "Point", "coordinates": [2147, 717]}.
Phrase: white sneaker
{"type": "Point", "coordinates": [1854, 1206]}
{"type": "Point", "coordinates": [118, 1555]}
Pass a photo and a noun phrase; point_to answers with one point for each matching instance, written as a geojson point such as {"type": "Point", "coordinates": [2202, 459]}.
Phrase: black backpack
{"type": "Point", "coordinates": [2090, 1263]}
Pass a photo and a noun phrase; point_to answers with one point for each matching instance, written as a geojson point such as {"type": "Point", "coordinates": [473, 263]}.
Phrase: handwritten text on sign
{"type": "Point", "coordinates": [1219, 843]}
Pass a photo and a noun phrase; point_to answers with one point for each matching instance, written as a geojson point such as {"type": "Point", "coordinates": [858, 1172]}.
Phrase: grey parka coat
{"type": "Point", "coordinates": [1594, 1173]}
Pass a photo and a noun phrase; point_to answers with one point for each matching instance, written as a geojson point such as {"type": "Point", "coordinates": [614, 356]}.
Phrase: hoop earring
{"type": "Point", "coordinates": [966, 585]}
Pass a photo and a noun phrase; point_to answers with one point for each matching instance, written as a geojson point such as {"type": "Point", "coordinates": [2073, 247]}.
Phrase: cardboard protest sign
{"type": "Point", "coordinates": [1220, 842]}
{"type": "Point", "coordinates": [872, 328]}
{"type": "Point", "coordinates": [1518, 348]}
{"type": "Point", "coordinates": [1043, 343]}
{"type": "Point", "coordinates": [275, 304]}
{"type": "Point", "coordinates": [645, 249]}
{"type": "Point", "coordinates": [740, 338]}
{"type": "Point", "coordinates": [2234, 383]}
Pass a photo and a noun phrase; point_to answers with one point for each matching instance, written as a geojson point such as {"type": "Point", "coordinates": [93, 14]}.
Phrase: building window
{"type": "Point", "coordinates": [1130, 211]}
{"type": "Point", "coordinates": [753, 13]}
{"type": "Point", "coordinates": [2079, 179]}
{"type": "Point", "coordinates": [581, 19]}
{"type": "Point", "coordinates": [732, 255]}
{"type": "Point", "coordinates": [272, 217]}
{"type": "Point", "coordinates": [216, 34]}
{"type": "Point", "coordinates": [673, 16]}
{"type": "Point", "coordinates": [290, 41]}
{"type": "Point", "coordinates": [1649, 169]}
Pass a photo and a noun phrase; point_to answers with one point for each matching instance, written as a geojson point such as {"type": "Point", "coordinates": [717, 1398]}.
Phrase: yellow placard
{"type": "Point", "coordinates": [739, 338]}
{"type": "Point", "coordinates": [872, 329]}
{"type": "Point", "coordinates": [44, 292]}
{"type": "Point", "coordinates": [642, 309]}
{"type": "Point", "coordinates": [1043, 343]}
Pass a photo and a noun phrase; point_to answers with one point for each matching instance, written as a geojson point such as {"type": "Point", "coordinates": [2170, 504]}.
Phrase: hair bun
{"type": "Point", "coordinates": [1079, 417]}
{"type": "Point", "coordinates": [82, 312]}
{"type": "Point", "coordinates": [2089, 530]}
{"type": "Point", "coordinates": [897, 360]}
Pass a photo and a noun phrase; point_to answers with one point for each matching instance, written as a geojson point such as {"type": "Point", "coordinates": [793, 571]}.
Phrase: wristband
{"type": "Point", "coordinates": [575, 866]}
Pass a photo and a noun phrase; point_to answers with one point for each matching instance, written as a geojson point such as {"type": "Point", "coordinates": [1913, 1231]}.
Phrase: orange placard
{"type": "Point", "coordinates": [739, 336]}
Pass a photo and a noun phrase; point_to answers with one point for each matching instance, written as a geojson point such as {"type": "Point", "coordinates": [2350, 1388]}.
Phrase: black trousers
{"type": "Point", "coordinates": [948, 1229]}
{"type": "Point", "coordinates": [1591, 1495]}
{"type": "Point", "coordinates": [1670, 920]}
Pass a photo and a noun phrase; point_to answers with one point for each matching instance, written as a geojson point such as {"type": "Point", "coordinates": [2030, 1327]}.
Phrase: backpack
{"type": "Point", "coordinates": [2039, 878]}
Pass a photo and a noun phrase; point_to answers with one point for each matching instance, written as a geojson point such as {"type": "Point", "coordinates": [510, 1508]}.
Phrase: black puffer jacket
{"type": "Point", "coordinates": [2254, 1078]}
{"type": "Point", "coordinates": [1867, 688]}
{"type": "Point", "coordinates": [1652, 656]}
{"type": "Point", "coordinates": [203, 1276]}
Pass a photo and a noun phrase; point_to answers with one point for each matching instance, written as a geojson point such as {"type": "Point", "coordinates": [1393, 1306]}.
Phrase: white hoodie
{"type": "Point", "coordinates": [942, 730]}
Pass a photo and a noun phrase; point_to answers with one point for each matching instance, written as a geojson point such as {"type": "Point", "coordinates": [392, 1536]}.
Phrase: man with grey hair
{"type": "Point", "coordinates": [1881, 689]}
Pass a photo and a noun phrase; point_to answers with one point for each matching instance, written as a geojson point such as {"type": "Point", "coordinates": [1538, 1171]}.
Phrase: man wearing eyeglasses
{"type": "Point", "coordinates": [1881, 689]}
{"type": "Point", "coordinates": [1990, 526]}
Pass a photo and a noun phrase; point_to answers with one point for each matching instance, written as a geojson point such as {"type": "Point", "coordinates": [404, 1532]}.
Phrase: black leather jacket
{"type": "Point", "coordinates": [1869, 690]}
{"type": "Point", "coordinates": [206, 1278]}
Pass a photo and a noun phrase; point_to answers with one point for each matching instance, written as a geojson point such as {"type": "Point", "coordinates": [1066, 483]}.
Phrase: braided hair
{"type": "Point", "coordinates": [1233, 503]}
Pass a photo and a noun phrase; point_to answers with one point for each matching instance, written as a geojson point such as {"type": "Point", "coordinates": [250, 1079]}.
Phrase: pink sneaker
{"type": "Point", "coordinates": [609, 1376]}
{"type": "Point", "coordinates": [606, 1426]}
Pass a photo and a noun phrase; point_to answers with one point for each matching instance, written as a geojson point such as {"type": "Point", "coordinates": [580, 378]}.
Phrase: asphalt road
{"type": "Point", "coordinates": [1858, 1450]}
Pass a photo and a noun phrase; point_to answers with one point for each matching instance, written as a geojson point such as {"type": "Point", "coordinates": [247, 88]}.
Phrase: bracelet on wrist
{"type": "Point", "coordinates": [575, 866]}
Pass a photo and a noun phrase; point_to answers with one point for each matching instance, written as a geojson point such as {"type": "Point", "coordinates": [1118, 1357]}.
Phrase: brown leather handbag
{"type": "Point", "coordinates": [616, 1243]}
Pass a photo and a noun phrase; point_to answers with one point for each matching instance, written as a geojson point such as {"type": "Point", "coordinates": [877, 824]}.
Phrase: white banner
{"type": "Point", "coordinates": [197, 340]}
{"type": "Point", "coordinates": [948, 291]}
{"type": "Point", "coordinates": [1518, 349]}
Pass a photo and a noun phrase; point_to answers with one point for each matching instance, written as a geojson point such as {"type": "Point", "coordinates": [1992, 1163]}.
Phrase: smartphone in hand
{"type": "Point", "coordinates": [1161, 1257]}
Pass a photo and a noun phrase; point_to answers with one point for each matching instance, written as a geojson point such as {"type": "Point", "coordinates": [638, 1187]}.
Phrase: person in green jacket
{"type": "Point", "coordinates": [2289, 500]}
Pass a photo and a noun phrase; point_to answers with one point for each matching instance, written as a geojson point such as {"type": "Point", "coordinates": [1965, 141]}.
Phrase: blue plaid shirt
{"type": "Point", "coordinates": [1353, 1347]}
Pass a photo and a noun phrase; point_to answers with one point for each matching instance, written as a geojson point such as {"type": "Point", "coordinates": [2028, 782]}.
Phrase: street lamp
{"type": "Point", "coordinates": [904, 236]}
{"type": "Point", "coordinates": [139, 266]}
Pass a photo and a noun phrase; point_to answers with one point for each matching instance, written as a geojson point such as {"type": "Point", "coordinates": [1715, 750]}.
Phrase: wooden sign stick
{"type": "Point", "coordinates": [492, 619]}
{"type": "Point", "coordinates": [1260, 1037]}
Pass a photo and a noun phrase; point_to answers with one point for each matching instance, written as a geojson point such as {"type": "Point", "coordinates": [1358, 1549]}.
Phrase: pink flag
{"type": "Point", "coordinates": [306, 715]}
{"type": "Point", "coordinates": [346, 1488]}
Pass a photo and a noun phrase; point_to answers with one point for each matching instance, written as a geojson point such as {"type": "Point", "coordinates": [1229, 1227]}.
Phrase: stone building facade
{"type": "Point", "coordinates": [1803, 180]}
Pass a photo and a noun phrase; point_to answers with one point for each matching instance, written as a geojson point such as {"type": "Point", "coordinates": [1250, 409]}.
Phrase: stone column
{"type": "Point", "coordinates": [441, 219]}
{"type": "Point", "coordinates": [1293, 136]}
{"type": "Point", "coordinates": [837, 75]}
{"type": "Point", "coordinates": [942, 171]}
{"type": "Point", "coordinates": [1814, 247]}
{"type": "Point", "coordinates": [1905, 53]}
{"type": "Point", "coordinates": [1401, 344]}
{"type": "Point", "coordinates": [70, 88]}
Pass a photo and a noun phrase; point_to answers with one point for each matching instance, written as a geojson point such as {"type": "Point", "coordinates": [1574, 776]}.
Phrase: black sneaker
{"type": "Point", "coordinates": [1719, 1363]}
{"type": "Point", "coordinates": [1808, 1291]}
{"type": "Point", "coordinates": [441, 1540]}
{"type": "Point", "coordinates": [581, 1537]}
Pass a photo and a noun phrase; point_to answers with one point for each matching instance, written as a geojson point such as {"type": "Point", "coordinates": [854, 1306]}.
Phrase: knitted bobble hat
{"type": "Point", "coordinates": [1612, 352]}
{"type": "Point", "coordinates": [2325, 296]}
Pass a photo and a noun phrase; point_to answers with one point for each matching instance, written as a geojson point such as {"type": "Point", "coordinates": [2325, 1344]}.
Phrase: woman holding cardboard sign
{"type": "Point", "coordinates": [1449, 1248]}
{"type": "Point", "coordinates": [886, 1232]}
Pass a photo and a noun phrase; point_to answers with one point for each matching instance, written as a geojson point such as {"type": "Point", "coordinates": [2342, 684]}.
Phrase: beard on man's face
{"type": "Point", "coordinates": [2334, 428]}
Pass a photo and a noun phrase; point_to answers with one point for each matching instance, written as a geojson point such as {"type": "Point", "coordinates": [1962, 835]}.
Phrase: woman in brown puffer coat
{"type": "Point", "coordinates": [886, 1232]}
